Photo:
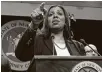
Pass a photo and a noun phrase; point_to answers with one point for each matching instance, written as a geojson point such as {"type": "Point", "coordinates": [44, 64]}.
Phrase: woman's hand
{"type": "Point", "coordinates": [37, 16]}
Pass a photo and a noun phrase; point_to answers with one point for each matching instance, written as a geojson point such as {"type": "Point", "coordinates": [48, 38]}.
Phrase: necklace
{"type": "Point", "coordinates": [59, 46]}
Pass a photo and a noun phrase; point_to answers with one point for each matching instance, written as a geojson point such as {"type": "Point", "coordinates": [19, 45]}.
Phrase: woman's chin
{"type": "Point", "coordinates": [56, 26]}
{"type": "Point", "coordinates": [56, 29]}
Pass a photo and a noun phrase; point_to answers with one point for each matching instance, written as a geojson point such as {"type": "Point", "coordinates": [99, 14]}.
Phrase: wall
{"type": "Point", "coordinates": [25, 9]}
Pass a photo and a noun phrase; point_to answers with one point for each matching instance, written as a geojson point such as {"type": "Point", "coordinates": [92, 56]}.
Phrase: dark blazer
{"type": "Point", "coordinates": [32, 44]}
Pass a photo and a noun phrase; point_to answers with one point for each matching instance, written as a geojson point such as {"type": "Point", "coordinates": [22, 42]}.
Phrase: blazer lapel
{"type": "Point", "coordinates": [49, 44]}
{"type": "Point", "coordinates": [72, 49]}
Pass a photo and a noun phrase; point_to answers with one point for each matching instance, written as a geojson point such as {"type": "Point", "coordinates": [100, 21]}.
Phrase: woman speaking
{"type": "Point", "coordinates": [54, 37]}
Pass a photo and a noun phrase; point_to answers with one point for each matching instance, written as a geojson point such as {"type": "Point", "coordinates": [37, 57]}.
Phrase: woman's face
{"type": "Point", "coordinates": [56, 18]}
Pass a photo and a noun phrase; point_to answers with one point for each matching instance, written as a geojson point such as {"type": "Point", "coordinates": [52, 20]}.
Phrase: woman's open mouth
{"type": "Point", "coordinates": [55, 22]}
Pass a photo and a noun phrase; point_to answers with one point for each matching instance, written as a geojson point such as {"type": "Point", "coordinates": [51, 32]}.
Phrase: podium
{"type": "Point", "coordinates": [66, 64]}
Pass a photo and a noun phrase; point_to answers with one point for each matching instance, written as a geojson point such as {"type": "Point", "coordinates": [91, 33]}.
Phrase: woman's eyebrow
{"type": "Point", "coordinates": [59, 10]}
{"type": "Point", "coordinates": [51, 12]}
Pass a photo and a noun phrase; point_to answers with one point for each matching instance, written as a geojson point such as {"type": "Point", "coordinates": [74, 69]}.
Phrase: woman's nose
{"type": "Point", "coordinates": [55, 16]}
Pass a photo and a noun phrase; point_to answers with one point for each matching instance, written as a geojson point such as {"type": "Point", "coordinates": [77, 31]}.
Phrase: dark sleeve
{"type": "Point", "coordinates": [25, 48]}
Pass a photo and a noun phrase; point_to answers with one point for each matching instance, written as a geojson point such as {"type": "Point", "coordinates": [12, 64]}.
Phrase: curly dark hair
{"type": "Point", "coordinates": [46, 30]}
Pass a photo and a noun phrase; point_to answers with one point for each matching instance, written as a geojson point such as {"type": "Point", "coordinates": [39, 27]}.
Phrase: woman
{"type": "Point", "coordinates": [55, 37]}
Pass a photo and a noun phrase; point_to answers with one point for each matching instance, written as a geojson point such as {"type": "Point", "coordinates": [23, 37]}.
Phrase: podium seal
{"type": "Point", "coordinates": [87, 66]}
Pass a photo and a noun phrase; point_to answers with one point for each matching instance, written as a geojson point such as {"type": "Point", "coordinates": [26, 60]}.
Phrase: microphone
{"type": "Point", "coordinates": [83, 41]}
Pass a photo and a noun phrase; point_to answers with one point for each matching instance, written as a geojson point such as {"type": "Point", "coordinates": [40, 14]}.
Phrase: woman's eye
{"type": "Point", "coordinates": [50, 14]}
{"type": "Point", "coordinates": [59, 13]}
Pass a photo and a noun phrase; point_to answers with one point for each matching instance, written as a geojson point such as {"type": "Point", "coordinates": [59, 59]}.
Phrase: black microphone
{"type": "Point", "coordinates": [83, 41]}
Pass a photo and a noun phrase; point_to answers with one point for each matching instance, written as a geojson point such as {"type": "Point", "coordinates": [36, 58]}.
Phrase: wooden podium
{"type": "Point", "coordinates": [66, 64]}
